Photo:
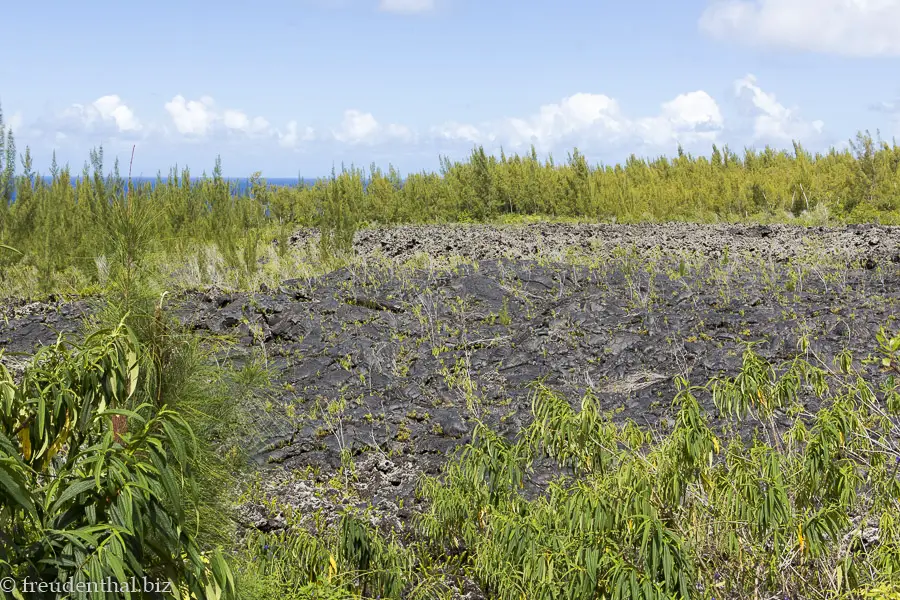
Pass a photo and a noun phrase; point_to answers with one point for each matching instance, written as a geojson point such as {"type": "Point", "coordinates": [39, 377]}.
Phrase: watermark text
{"type": "Point", "coordinates": [134, 585]}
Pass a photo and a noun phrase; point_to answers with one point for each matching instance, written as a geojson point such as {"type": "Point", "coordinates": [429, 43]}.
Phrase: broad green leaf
{"type": "Point", "coordinates": [73, 490]}
{"type": "Point", "coordinates": [15, 487]}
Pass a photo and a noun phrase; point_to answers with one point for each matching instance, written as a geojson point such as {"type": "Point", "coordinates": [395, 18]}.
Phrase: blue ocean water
{"type": "Point", "coordinates": [239, 185]}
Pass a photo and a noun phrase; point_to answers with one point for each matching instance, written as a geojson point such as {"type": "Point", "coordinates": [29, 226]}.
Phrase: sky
{"type": "Point", "coordinates": [294, 87]}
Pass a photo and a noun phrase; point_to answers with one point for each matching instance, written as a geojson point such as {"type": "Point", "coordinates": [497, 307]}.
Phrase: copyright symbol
{"type": "Point", "coordinates": [7, 584]}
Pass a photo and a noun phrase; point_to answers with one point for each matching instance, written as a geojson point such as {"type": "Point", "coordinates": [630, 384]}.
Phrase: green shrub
{"type": "Point", "coordinates": [783, 515]}
{"type": "Point", "coordinates": [96, 480]}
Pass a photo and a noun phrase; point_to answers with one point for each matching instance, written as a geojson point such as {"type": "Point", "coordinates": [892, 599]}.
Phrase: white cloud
{"type": "Point", "coordinates": [686, 119]}
{"type": "Point", "coordinates": [235, 119]}
{"type": "Point", "coordinates": [362, 128]}
{"type": "Point", "coordinates": [774, 122]}
{"type": "Point", "coordinates": [192, 117]}
{"type": "Point", "coordinates": [238, 121]}
{"type": "Point", "coordinates": [356, 127]}
{"type": "Point", "coordinates": [406, 6]}
{"type": "Point", "coordinates": [458, 131]}
{"type": "Point", "coordinates": [597, 120]}
{"type": "Point", "coordinates": [595, 123]}
{"type": "Point", "coordinates": [199, 118]}
{"type": "Point", "coordinates": [293, 135]}
{"type": "Point", "coordinates": [107, 111]}
{"type": "Point", "coordinates": [590, 114]}
{"type": "Point", "coordinates": [112, 108]}
{"type": "Point", "coordinates": [843, 27]}
{"type": "Point", "coordinates": [577, 115]}
{"type": "Point", "coordinates": [694, 110]}
{"type": "Point", "coordinates": [892, 110]}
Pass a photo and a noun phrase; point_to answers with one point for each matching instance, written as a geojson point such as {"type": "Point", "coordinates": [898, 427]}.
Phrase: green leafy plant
{"type": "Point", "coordinates": [633, 515]}
{"type": "Point", "coordinates": [94, 484]}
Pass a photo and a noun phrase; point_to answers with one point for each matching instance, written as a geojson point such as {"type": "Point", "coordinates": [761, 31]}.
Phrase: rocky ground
{"type": "Point", "coordinates": [480, 242]}
{"type": "Point", "coordinates": [409, 357]}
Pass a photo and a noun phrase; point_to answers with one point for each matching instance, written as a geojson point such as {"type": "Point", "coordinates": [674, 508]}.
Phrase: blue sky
{"type": "Point", "coordinates": [288, 87]}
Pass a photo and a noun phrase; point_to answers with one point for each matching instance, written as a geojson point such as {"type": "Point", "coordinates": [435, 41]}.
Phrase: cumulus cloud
{"type": "Point", "coordinates": [358, 127]}
{"type": "Point", "coordinates": [861, 28]}
{"type": "Point", "coordinates": [892, 110]}
{"type": "Point", "coordinates": [579, 114]}
{"type": "Point", "coordinates": [595, 120]}
{"type": "Point", "coordinates": [773, 121]}
{"type": "Point", "coordinates": [192, 117]}
{"type": "Point", "coordinates": [199, 118]}
{"type": "Point", "coordinates": [459, 131]}
{"type": "Point", "coordinates": [112, 108]}
{"type": "Point", "coordinates": [406, 6]}
{"type": "Point", "coordinates": [595, 123]}
{"type": "Point", "coordinates": [107, 112]}
{"type": "Point", "coordinates": [688, 118]}
{"type": "Point", "coordinates": [692, 111]}
{"type": "Point", "coordinates": [293, 135]}
{"type": "Point", "coordinates": [239, 121]}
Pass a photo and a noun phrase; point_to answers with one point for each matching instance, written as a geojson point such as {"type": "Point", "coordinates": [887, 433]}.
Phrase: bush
{"type": "Point", "coordinates": [685, 516]}
{"type": "Point", "coordinates": [95, 480]}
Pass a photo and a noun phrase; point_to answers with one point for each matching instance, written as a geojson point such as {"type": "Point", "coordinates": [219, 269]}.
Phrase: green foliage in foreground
{"type": "Point", "coordinates": [806, 512]}
{"type": "Point", "coordinates": [179, 371]}
{"type": "Point", "coordinates": [99, 477]}
{"type": "Point", "coordinates": [350, 561]}
{"type": "Point", "coordinates": [777, 516]}
{"type": "Point", "coordinates": [119, 456]}
{"type": "Point", "coordinates": [95, 477]}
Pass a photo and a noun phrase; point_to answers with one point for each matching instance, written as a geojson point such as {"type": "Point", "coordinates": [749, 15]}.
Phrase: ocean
{"type": "Point", "coordinates": [240, 184]}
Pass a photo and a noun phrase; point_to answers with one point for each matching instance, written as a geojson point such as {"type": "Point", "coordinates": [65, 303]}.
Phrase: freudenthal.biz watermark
{"type": "Point", "coordinates": [134, 585]}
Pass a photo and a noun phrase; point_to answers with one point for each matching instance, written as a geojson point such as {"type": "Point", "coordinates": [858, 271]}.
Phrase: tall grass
{"type": "Point", "coordinates": [62, 225]}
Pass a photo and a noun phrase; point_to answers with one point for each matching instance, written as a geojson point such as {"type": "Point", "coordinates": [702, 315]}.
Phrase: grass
{"type": "Point", "coordinates": [206, 232]}
{"type": "Point", "coordinates": [803, 510]}
{"type": "Point", "coordinates": [806, 510]}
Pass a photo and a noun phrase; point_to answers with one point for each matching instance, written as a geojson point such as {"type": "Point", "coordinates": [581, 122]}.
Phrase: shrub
{"type": "Point", "coordinates": [94, 481]}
